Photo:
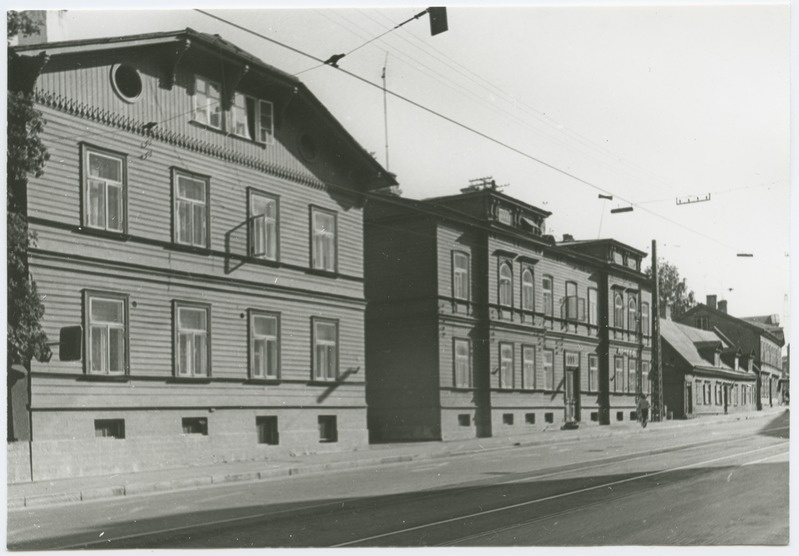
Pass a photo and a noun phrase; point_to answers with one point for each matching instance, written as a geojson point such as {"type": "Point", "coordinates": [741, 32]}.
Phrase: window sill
{"type": "Point", "coordinates": [104, 378]}
{"type": "Point", "coordinates": [275, 263]}
{"type": "Point", "coordinates": [205, 251]}
{"type": "Point", "coordinates": [189, 380]}
{"type": "Point", "coordinates": [120, 236]}
{"type": "Point", "coordinates": [323, 382]}
{"type": "Point", "coordinates": [322, 272]}
{"type": "Point", "coordinates": [263, 381]}
{"type": "Point", "coordinates": [221, 131]}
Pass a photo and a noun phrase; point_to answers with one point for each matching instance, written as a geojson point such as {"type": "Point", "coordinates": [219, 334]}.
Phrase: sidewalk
{"type": "Point", "coordinates": [79, 489]}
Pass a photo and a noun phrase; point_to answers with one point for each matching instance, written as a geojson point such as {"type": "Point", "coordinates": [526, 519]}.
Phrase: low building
{"type": "Point", "coordinates": [703, 374]}
{"type": "Point", "coordinates": [200, 229]}
{"type": "Point", "coordinates": [761, 336]}
{"type": "Point", "coordinates": [479, 324]}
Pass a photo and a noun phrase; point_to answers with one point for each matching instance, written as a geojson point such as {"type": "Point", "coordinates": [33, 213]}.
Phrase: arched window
{"type": "Point", "coordinates": [505, 285]}
{"type": "Point", "coordinates": [618, 311]}
{"type": "Point", "coordinates": [527, 289]}
{"type": "Point", "coordinates": [632, 313]}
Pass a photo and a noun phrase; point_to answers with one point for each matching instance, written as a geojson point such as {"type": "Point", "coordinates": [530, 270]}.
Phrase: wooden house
{"type": "Point", "coordinates": [200, 225]}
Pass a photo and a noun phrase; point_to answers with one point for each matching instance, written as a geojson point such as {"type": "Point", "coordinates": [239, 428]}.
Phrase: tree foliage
{"type": "Point", "coordinates": [674, 291]}
{"type": "Point", "coordinates": [26, 155]}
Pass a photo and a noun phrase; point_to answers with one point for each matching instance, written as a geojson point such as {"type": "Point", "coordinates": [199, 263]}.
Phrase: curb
{"type": "Point", "coordinates": [134, 489]}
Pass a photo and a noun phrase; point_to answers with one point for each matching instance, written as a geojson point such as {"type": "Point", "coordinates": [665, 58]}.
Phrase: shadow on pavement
{"type": "Point", "coordinates": [779, 427]}
{"type": "Point", "coordinates": [579, 511]}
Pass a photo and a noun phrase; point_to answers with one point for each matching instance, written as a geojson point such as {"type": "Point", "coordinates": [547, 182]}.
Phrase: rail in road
{"type": "Point", "coordinates": [523, 501]}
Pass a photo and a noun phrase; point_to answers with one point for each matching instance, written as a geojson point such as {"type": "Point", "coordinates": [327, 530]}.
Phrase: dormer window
{"type": "Point", "coordinates": [207, 103]}
{"type": "Point", "coordinates": [504, 216]}
{"type": "Point", "coordinates": [618, 258]}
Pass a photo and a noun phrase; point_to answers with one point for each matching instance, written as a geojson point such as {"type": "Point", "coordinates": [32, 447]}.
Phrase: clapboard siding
{"type": "Point", "coordinates": [449, 240]}
{"type": "Point", "coordinates": [150, 209]}
{"type": "Point", "coordinates": [87, 79]}
{"type": "Point", "coordinates": [151, 327]}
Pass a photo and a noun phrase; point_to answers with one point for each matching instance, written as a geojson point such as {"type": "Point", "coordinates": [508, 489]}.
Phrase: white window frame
{"type": "Point", "coordinates": [460, 275]}
{"type": "Point", "coordinates": [593, 372]}
{"type": "Point", "coordinates": [266, 371]}
{"type": "Point", "coordinates": [632, 373]}
{"type": "Point", "coordinates": [239, 110]}
{"type": "Point", "coordinates": [549, 369]}
{"type": "Point", "coordinates": [528, 289]}
{"type": "Point", "coordinates": [104, 330]}
{"type": "Point", "coordinates": [632, 313]}
{"type": "Point", "coordinates": [571, 311]}
{"type": "Point", "coordinates": [192, 335]}
{"type": "Point", "coordinates": [199, 238]}
{"type": "Point", "coordinates": [264, 231]}
{"type": "Point", "coordinates": [645, 319]}
{"type": "Point", "coordinates": [105, 185]}
{"type": "Point", "coordinates": [462, 362]}
{"type": "Point", "coordinates": [528, 367]}
{"type": "Point", "coordinates": [505, 284]}
{"type": "Point", "coordinates": [618, 310]}
{"type": "Point", "coordinates": [323, 240]}
{"type": "Point", "coordinates": [592, 306]}
{"type": "Point", "coordinates": [332, 351]}
{"type": "Point", "coordinates": [212, 105]}
{"type": "Point", "coordinates": [506, 365]}
{"type": "Point", "coordinates": [268, 137]}
{"type": "Point", "coordinates": [548, 295]}
{"type": "Point", "coordinates": [618, 374]}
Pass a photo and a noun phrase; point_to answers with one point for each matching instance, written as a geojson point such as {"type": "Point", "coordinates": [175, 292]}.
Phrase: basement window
{"type": "Point", "coordinates": [507, 418]}
{"type": "Point", "coordinates": [195, 425]}
{"type": "Point", "coordinates": [109, 428]}
{"type": "Point", "coordinates": [595, 416]}
{"type": "Point", "coordinates": [549, 417]}
{"type": "Point", "coordinates": [328, 428]}
{"type": "Point", "coordinates": [529, 418]}
{"type": "Point", "coordinates": [464, 420]}
{"type": "Point", "coordinates": [267, 430]}
{"type": "Point", "coordinates": [620, 416]}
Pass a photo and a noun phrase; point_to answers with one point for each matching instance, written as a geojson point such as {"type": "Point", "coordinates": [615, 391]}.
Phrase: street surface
{"type": "Point", "coordinates": [715, 484]}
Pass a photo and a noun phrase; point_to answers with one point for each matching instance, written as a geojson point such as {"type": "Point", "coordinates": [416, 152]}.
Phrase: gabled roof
{"type": "Point", "coordinates": [772, 329]}
{"type": "Point", "coordinates": [607, 241]}
{"type": "Point", "coordinates": [222, 47]}
{"type": "Point", "coordinates": [684, 338]}
{"type": "Point", "coordinates": [774, 333]}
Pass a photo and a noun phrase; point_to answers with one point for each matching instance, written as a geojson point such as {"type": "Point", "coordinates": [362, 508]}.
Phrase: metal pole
{"type": "Point", "coordinates": [385, 107]}
{"type": "Point", "coordinates": [657, 363]}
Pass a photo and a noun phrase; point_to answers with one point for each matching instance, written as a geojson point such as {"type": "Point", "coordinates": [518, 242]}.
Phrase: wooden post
{"type": "Point", "coordinates": [657, 363]}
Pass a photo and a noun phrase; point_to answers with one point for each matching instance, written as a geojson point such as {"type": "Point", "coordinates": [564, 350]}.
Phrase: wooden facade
{"type": "Point", "coordinates": [477, 325]}
{"type": "Point", "coordinates": [230, 257]}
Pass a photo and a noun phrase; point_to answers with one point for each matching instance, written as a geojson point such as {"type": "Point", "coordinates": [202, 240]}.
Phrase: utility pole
{"type": "Point", "coordinates": [657, 362]}
{"type": "Point", "coordinates": [385, 107]}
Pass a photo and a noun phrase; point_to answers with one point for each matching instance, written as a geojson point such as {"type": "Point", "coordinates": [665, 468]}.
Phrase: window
{"type": "Point", "coordinates": [618, 258]}
{"type": "Point", "coordinates": [620, 416]}
{"type": "Point", "coordinates": [592, 300]}
{"type": "Point", "coordinates": [529, 418]}
{"type": "Point", "coordinates": [191, 210]}
{"type": "Point", "coordinates": [507, 418]}
{"type": "Point", "coordinates": [707, 393]}
{"type": "Point", "coordinates": [701, 323]}
{"type": "Point", "coordinates": [263, 225]}
{"type": "Point", "coordinates": [239, 116]}
{"type": "Point", "coordinates": [265, 121]}
{"type": "Point", "coordinates": [645, 319]}
{"type": "Point", "coordinates": [207, 103]}
{"type": "Point", "coordinates": [528, 293]}
{"type": "Point", "coordinates": [460, 275]}
{"type": "Point", "coordinates": [699, 393]}
{"type": "Point", "coordinates": [109, 428]}
{"type": "Point", "coordinates": [569, 308]}
{"type": "Point", "coordinates": [546, 287]}
{"type": "Point", "coordinates": [264, 345]}
{"type": "Point", "coordinates": [593, 372]}
{"type": "Point", "coordinates": [463, 363]}
{"type": "Point", "coordinates": [505, 365]}
{"type": "Point", "coordinates": [464, 420]}
{"type": "Point", "coordinates": [323, 242]}
{"type": "Point", "coordinates": [717, 393]}
{"type": "Point", "coordinates": [104, 190]}
{"type": "Point", "coordinates": [106, 333]}
{"type": "Point", "coordinates": [325, 342]}
{"type": "Point", "coordinates": [618, 374]}
{"type": "Point", "coordinates": [632, 313]}
{"type": "Point", "coordinates": [266, 428]}
{"type": "Point", "coordinates": [328, 428]}
{"type": "Point", "coordinates": [504, 215]}
{"type": "Point", "coordinates": [645, 367]}
{"type": "Point", "coordinates": [195, 425]}
{"type": "Point", "coordinates": [505, 284]}
{"type": "Point", "coordinates": [632, 371]}
{"type": "Point", "coordinates": [251, 118]}
{"type": "Point", "coordinates": [618, 310]}
{"type": "Point", "coordinates": [549, 417]}
{"type": "Point", "coordinates": [192, 340]}
{"type": "Point", "coordinates": [549, 369]}
{"type": "Point", "coordinates": [528, 367]}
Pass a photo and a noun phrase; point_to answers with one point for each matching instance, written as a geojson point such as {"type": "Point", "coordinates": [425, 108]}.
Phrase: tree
{"type": "Point", "coordinates": [674, 291]}
{"type": "Point", "coordinates": [26, 155]}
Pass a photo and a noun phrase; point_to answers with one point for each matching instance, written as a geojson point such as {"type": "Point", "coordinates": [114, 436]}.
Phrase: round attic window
{"type": "Point", "coordinates": [126, 82]}
{"type": "Point", "coordinates": [308, 147]}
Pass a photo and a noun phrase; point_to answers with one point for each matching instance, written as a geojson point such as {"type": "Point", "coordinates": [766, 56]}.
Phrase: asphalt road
{"type": "Point", "coordinates": [720, 484]}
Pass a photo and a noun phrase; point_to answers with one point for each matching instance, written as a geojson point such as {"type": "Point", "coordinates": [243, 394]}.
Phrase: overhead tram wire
{"type": "Point", "coordinates": [466, 127]}
{"type": "Point", "coordinates": [540, 116]}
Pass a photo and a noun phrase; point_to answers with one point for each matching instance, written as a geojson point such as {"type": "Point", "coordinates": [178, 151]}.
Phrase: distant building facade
{"type": "Point", "coordinates": [703, 374]}
{"type": "Point", "coordinates": [761, 336]}
{"type": "Point", "coordinates": [200, 225]}
{"type": "Point", "coordinates": [478, 324]}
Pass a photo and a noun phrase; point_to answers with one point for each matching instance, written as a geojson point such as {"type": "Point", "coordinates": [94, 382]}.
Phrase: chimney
{"type": "Point", "coordinates": [568, 237]}
{"type": "Point", "coordinates": [711, 301]}
{"type": "Point", "coordinates": [723, 306]}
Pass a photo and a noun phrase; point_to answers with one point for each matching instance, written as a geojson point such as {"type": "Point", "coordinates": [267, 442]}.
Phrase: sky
{"type": "Point", "coordinates": [561, 102]}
